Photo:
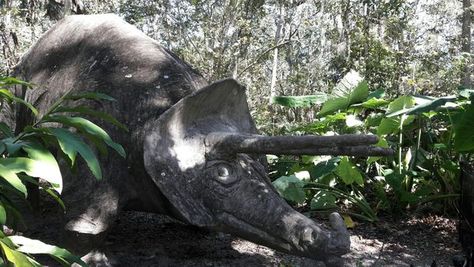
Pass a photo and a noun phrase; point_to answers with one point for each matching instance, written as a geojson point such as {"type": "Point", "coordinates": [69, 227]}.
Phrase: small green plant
{"type": "Point", "coordinates": [25, 157]}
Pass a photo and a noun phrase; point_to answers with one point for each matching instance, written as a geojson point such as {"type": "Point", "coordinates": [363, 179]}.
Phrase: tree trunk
{"type": "Point", "coordinates": [366, 37]}
{"type": "Point", "coordinates": [279, 24]}
{"type": "Point", "coordinates": [466, 222]}
{"type": "Point", "coordinates": [466, 43]}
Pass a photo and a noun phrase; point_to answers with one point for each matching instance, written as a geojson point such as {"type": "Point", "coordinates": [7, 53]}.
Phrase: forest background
{"type": "Point", "coordinates": [400, 69]}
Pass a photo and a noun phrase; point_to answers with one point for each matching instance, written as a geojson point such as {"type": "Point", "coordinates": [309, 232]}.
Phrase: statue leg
{"type": "Point", "coordinates": [88, 221]}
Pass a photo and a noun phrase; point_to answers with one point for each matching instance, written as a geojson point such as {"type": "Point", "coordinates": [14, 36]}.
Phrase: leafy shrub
{"type": "Point", "coordinates": [26, 156]}
{"type": "Point", "coordinates": [428, 134]}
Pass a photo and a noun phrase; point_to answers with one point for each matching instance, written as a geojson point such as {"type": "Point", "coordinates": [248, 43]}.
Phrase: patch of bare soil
{"type": "Point", "coordinates": [141, 239]}
{"type": "Point", "coordinates": [424, 241]}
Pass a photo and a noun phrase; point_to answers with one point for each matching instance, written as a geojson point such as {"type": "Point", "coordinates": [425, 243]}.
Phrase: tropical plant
{"type": "Point", "coordinates": [429, 135]}
{"type": "Point", "coordinates": [26, 158]}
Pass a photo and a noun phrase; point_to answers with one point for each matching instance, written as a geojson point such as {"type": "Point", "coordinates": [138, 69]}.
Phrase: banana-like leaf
{"type": "Point", "coordinates": [427, 106]}
{"type": "Point", "coordinates": [350, 90]}
{"type": "Point", "coordinates": [32, 246]}
{"type": "Point", "coordinates": [88, 127]}
{"type": "Point", "coordinates": [71, 144]}
{"type": "Point", "coordinates": [463, 128]}
{"type": "Point", "coordinates": [11, 177]}
{"type": "Point", "coordinates": [300, 101]}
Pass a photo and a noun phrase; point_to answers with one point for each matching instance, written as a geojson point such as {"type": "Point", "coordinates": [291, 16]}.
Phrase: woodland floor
{"type": "Point", "coordinates": [140, 239]}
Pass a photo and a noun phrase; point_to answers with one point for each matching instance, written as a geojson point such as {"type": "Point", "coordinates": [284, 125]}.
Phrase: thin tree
{"type": "Point", "coordinates": [466, 43]}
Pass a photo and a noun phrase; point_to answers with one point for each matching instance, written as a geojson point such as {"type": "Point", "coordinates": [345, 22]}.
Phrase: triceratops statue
{"type": "Point", "coordinates": [193, 149]}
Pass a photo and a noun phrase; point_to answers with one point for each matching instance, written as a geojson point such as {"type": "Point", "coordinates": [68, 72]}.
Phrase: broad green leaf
{"type": "Point", "coordinates": [350, 90]}
{"type": "Point", "coordinates": [401, 103]}
{"type": "Point", "coordinates": [333, 105]}
{"type": "Point", "coordinates": [348, 84]}
{"type": "Point", "coordinates": [98, 114]}
{"type": "Point", "coordinates": [374, 119]}
{"type": "Point", "coordinates": [11, 146]}
{"type": "Point", "coordinates": [46, 166]}
{"type": "Point", "coordinates": [374, 103]}
{"type": "Point", "coordinates": [39, 165]}
{"type": "Point", "coordinates": [14, 215]}
{"type": "Point", "coordinates": [424, 107]}
{"type": "Point", "coordinates": [388, 126]}
{"type": "Point", "coordinates": [98, 143]}
{"type": "Point", "coordinates": [348, 172]}
{"type": "Point", "coordinates": [31, 246]}
{"type": "Point", "coordinates": [466, 93]}
{"type": "Point", "coordinates": [11, 177]}
{"type": "Point", "coordinates": [394, 179]}
{"type": "Point", "coordinates": [300, 101]}
{"type": "Point", "coordinates": [90, 95]}
{"type": "Point", "coordinates": [323, 200]}
{"type": "Point", "coordinates": [379, 93]}
{"type": "Point", "coordinates": [88, 127]}
{"type": "Point", "coordinates": [464, 130]}
{"type": "Point", "coordinates": [392, 125]}
{"type": "Point", "coordinates": [324, 168]}
{"type": "Point", "coordinates": [290, 188]}
{"type": "Point", "coordinates": [71, 144]}
{"type": "Point", "coordinates": [16, 258]}
{"type": "Point", "coordinates": [3, 214]}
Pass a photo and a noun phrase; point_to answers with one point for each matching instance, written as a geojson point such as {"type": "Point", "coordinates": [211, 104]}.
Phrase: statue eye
{"type": "Point", "coordinates": [224, 173]}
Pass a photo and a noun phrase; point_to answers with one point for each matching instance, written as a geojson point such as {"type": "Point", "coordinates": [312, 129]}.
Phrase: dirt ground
{"type": "Point", "coordinates": [140, 239]}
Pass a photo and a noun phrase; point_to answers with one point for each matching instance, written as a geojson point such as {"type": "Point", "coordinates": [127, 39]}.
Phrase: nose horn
{"type": "Point", "coordinates": [349, 144]}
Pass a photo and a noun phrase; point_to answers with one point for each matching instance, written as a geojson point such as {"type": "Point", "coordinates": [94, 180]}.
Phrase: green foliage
{"type": "Point", "coordinates": [350, 90]}
{"type": "Point", "coordinates": [464, 134]}
{"type": "Point", "coordinates": [428, 133]}
{"type": "Point", "coordinates": [300, 101]}
{"type": "Point", "coordinates": [291, 188]}
{"type": "Point", "coordinates": [26, 157]}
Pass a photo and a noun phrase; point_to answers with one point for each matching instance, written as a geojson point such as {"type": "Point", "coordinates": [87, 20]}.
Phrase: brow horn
{"type": "Point", "coordinates": [350, 144]}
